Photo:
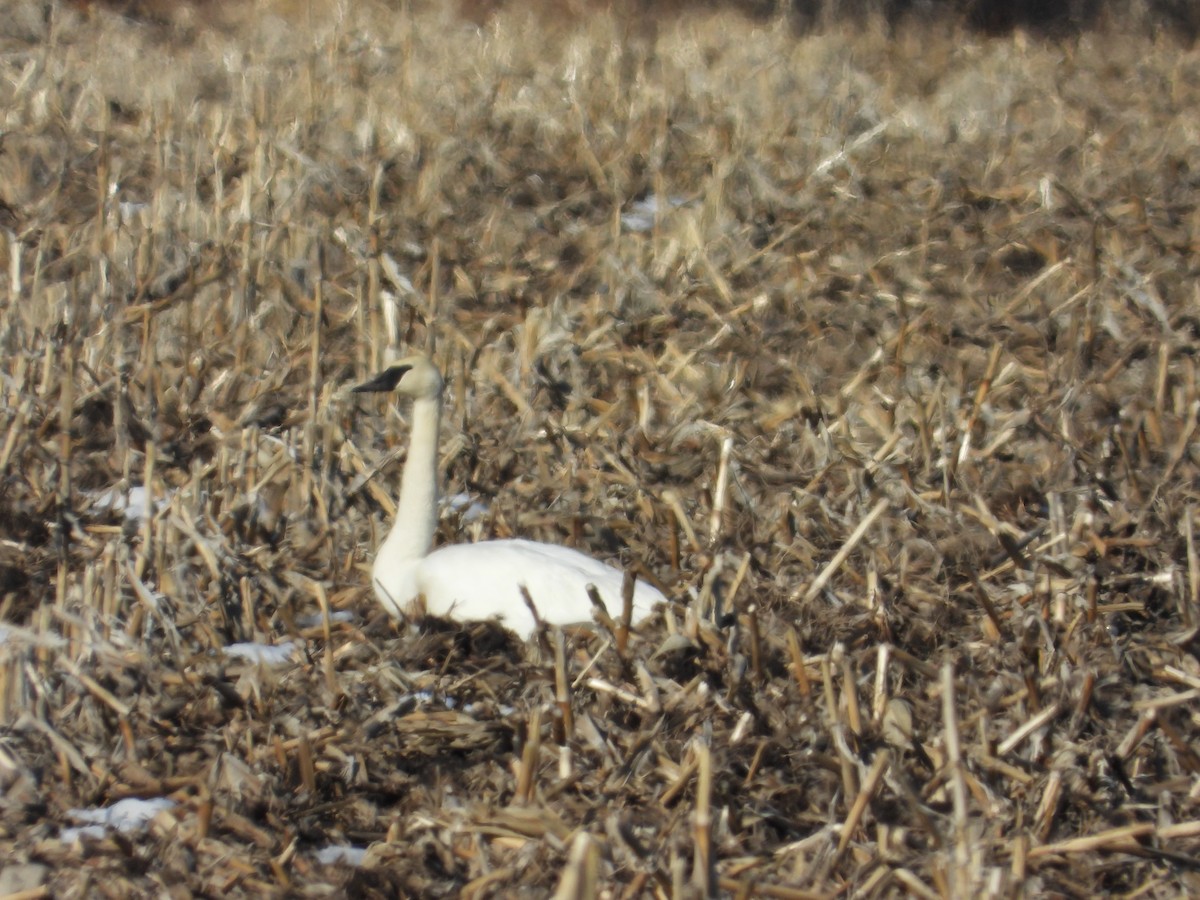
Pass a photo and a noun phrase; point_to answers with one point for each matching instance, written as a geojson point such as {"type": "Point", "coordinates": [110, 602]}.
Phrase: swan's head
{"type": "Point", "coordinates": [412, 376]}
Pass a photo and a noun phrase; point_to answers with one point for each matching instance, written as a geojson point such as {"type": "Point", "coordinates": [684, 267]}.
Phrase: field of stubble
{"type": "Point", "coordinates": [877, 352]}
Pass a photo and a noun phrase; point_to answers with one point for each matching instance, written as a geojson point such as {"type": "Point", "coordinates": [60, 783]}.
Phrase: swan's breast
{"type": "Point", "coordinates": [396, 583]}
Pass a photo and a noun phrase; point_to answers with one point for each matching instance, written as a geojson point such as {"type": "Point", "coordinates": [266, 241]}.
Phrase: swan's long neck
{"type": "Point", "coordinates": [417, 510]}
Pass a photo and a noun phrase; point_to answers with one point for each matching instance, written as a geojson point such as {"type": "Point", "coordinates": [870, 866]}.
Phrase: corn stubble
{"type": "Point", "coordinates": [877, 352]}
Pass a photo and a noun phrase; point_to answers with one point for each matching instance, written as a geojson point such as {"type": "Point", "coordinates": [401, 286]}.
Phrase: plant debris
{"type": "Point", "coordinates": [874, 347]}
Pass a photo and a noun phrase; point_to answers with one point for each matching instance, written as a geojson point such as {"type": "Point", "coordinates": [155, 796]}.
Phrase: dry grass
{"type": "Point", "coordinates": [897, 396]}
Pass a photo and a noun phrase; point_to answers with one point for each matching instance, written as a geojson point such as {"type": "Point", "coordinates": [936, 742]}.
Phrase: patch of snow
{"type": "Point", "coordinates": [130, 211]}
{"type": "Point", "coordinates": [472, 709]}
{"type": "Point", "coordinates": [342, 615]}
{"type": "Point", "coordinates": [91, 832]}
{"type": "Point", "coordinates": [267, 654]}
{"type": "Point", "coordinates": [642, 212]}
{"type": "Point", "coordinates": [468, 509]}
{"type": "Point", "coordinates": [331, 856]}
{"type": "Point", "coordinates": [126, 816]}
{"type": "Point", "coordinates": [134, 502]}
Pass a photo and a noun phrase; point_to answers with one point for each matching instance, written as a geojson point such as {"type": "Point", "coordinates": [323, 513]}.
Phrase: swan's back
{"type": "Point", "coordinates": [483, 581]}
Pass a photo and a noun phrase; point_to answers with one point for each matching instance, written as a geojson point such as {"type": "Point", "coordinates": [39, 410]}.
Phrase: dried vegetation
{"type": "Point", "coordinates": [878, 352]}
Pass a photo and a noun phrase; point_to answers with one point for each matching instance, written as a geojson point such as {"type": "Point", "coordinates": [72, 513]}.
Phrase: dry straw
{"type": "Point", "coordinates": [875, 349]}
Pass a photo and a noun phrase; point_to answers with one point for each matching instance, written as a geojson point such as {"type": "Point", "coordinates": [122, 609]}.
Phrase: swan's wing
{"type": "Point", "coordinates": [483, 581]}
{"type": "Point", "coordinates": [584, 570]}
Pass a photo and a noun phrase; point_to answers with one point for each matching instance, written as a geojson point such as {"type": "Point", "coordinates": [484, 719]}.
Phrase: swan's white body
{"type": "Point", "coordinates": [477, 581]}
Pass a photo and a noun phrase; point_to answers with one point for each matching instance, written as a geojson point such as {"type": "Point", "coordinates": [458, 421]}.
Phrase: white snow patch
{"type": "Point", "coordinates": [133, 502]}
{"type": "Point", "coordinates": [126, 816]}
{"type": "Point", "coordinates": [331, 856]}
{"type": "Point", "coordinates": [642, 212]}
{"type": "Point", "coordinates": [267, 654]}
{"type": "Point", "coordinates": [343, 615]}
{"type": "Point", "coordinates": [467, 508]}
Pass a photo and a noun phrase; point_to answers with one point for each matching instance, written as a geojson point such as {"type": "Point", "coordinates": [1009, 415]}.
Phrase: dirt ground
{"type": "Point", "coordinates": [873, 345]}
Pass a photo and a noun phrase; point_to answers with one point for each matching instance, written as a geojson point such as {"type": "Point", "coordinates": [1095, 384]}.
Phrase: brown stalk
{"type": "Point", "coordinates": [527, 764]}
{"type": "Point", "coordinates": [981, 394]}
{"type": "Point", "coordinates": [843, 552]}
{"type": "Point", "coordinates": [799, 671]}
{"type": "Point", "coordinates": [962, 877]}
{"type": "Point", "coordinates": [870, 786]}
{"type": "Point", "coordinates": [704, 863]}
{"type": "Point", "coordinates": [562, 688]}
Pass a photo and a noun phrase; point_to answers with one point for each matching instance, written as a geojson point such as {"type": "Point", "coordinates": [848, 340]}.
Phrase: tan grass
{"type": "Point", "coordinates": [894, 390]}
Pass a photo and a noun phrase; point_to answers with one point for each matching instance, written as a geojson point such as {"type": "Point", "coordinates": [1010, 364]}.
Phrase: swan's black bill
{"type": "Point", "coordinates": [384, 381]}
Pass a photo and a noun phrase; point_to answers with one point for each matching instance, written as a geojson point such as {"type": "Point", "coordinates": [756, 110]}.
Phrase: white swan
{"type": "Point", "coordinates": [476, 581]}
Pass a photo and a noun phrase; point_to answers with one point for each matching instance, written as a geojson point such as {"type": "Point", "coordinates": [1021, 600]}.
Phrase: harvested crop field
{"type": "Point", "coordinates": [874, 347]}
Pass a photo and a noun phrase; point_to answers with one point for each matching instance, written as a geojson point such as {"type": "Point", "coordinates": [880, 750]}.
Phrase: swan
{"type": "Point", "coordinates": [471, 582]}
